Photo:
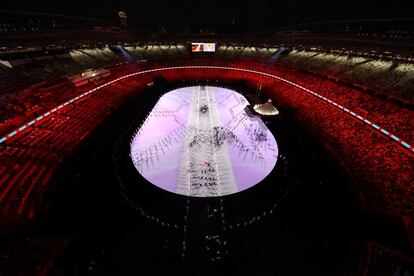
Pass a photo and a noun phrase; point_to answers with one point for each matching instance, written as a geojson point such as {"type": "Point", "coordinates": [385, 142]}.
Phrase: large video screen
{"type": "Point", "coordinates": [203, 47]}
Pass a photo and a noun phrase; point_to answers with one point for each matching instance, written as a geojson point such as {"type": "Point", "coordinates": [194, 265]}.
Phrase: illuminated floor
{"type": "Point", "coordinates": [199, 141]}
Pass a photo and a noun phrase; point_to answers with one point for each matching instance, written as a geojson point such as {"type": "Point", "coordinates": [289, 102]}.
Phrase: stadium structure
{"type": "Point", "coordinates": [129, 152]}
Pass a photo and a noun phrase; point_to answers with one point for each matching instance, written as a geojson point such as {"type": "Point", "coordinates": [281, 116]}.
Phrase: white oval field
{"type": "Point", "coordinates": [200, 141]}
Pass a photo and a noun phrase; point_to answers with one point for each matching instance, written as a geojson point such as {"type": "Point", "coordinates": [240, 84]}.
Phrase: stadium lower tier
{"type": "Point", "coordinates": [381, 162]}
{"type": "Point", "coordinates": [377, 155]}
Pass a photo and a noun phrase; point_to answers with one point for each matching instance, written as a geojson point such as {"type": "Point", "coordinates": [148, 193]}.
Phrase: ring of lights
{"type": "Point", "coordinates": [206, 67]}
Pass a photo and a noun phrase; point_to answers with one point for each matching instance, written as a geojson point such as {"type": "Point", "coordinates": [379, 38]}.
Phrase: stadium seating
{"type": "Point", "coordinates": [382, 167]}
{"type": "Point", "coordinates": [29, 160]}
{"type": "Point", "coordinates": [393, 79]}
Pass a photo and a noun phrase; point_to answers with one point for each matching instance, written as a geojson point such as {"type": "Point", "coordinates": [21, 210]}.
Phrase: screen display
{"type": "Point", "coordinates": [203, 47]}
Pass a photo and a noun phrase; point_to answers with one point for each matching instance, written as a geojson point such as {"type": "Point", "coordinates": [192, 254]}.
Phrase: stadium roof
{"type": "Point", "coordinates": [217, 15]}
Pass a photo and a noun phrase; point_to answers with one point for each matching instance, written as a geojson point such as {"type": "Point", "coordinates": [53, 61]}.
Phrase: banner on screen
{"type": "Point", "coordinates": [203, 47]}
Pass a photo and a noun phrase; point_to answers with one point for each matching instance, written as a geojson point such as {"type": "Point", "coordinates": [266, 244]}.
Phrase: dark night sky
{"type": "Point", "coordinates": [251, 13]}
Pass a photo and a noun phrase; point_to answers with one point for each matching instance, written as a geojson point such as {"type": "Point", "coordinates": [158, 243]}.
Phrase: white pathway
{"type": "Point", "coordinates": [205, 168]}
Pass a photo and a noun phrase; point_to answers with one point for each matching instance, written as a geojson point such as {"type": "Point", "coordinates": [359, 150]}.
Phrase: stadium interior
{"type": "Point", "coordinates": [103, 173]}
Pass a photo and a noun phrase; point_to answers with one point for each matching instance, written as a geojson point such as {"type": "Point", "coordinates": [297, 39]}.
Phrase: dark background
{"type": "Point", "coordinates": [213, 14]}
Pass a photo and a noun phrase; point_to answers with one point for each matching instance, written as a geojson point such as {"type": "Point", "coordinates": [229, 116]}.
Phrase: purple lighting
{"type": "Point", "coordinates": [200, 141]}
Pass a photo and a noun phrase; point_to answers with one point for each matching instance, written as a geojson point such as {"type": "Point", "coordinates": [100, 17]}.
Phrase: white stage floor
{"type": "Point", "coordinates": [199, 141]}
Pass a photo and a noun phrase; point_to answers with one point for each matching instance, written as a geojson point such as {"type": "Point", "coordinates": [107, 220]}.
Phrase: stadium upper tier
{"type": "Point", "coordinates": [387, 75]}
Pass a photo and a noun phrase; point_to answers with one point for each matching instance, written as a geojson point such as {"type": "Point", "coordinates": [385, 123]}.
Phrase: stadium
{"type": "Point", "coordinates": [221, 149]}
